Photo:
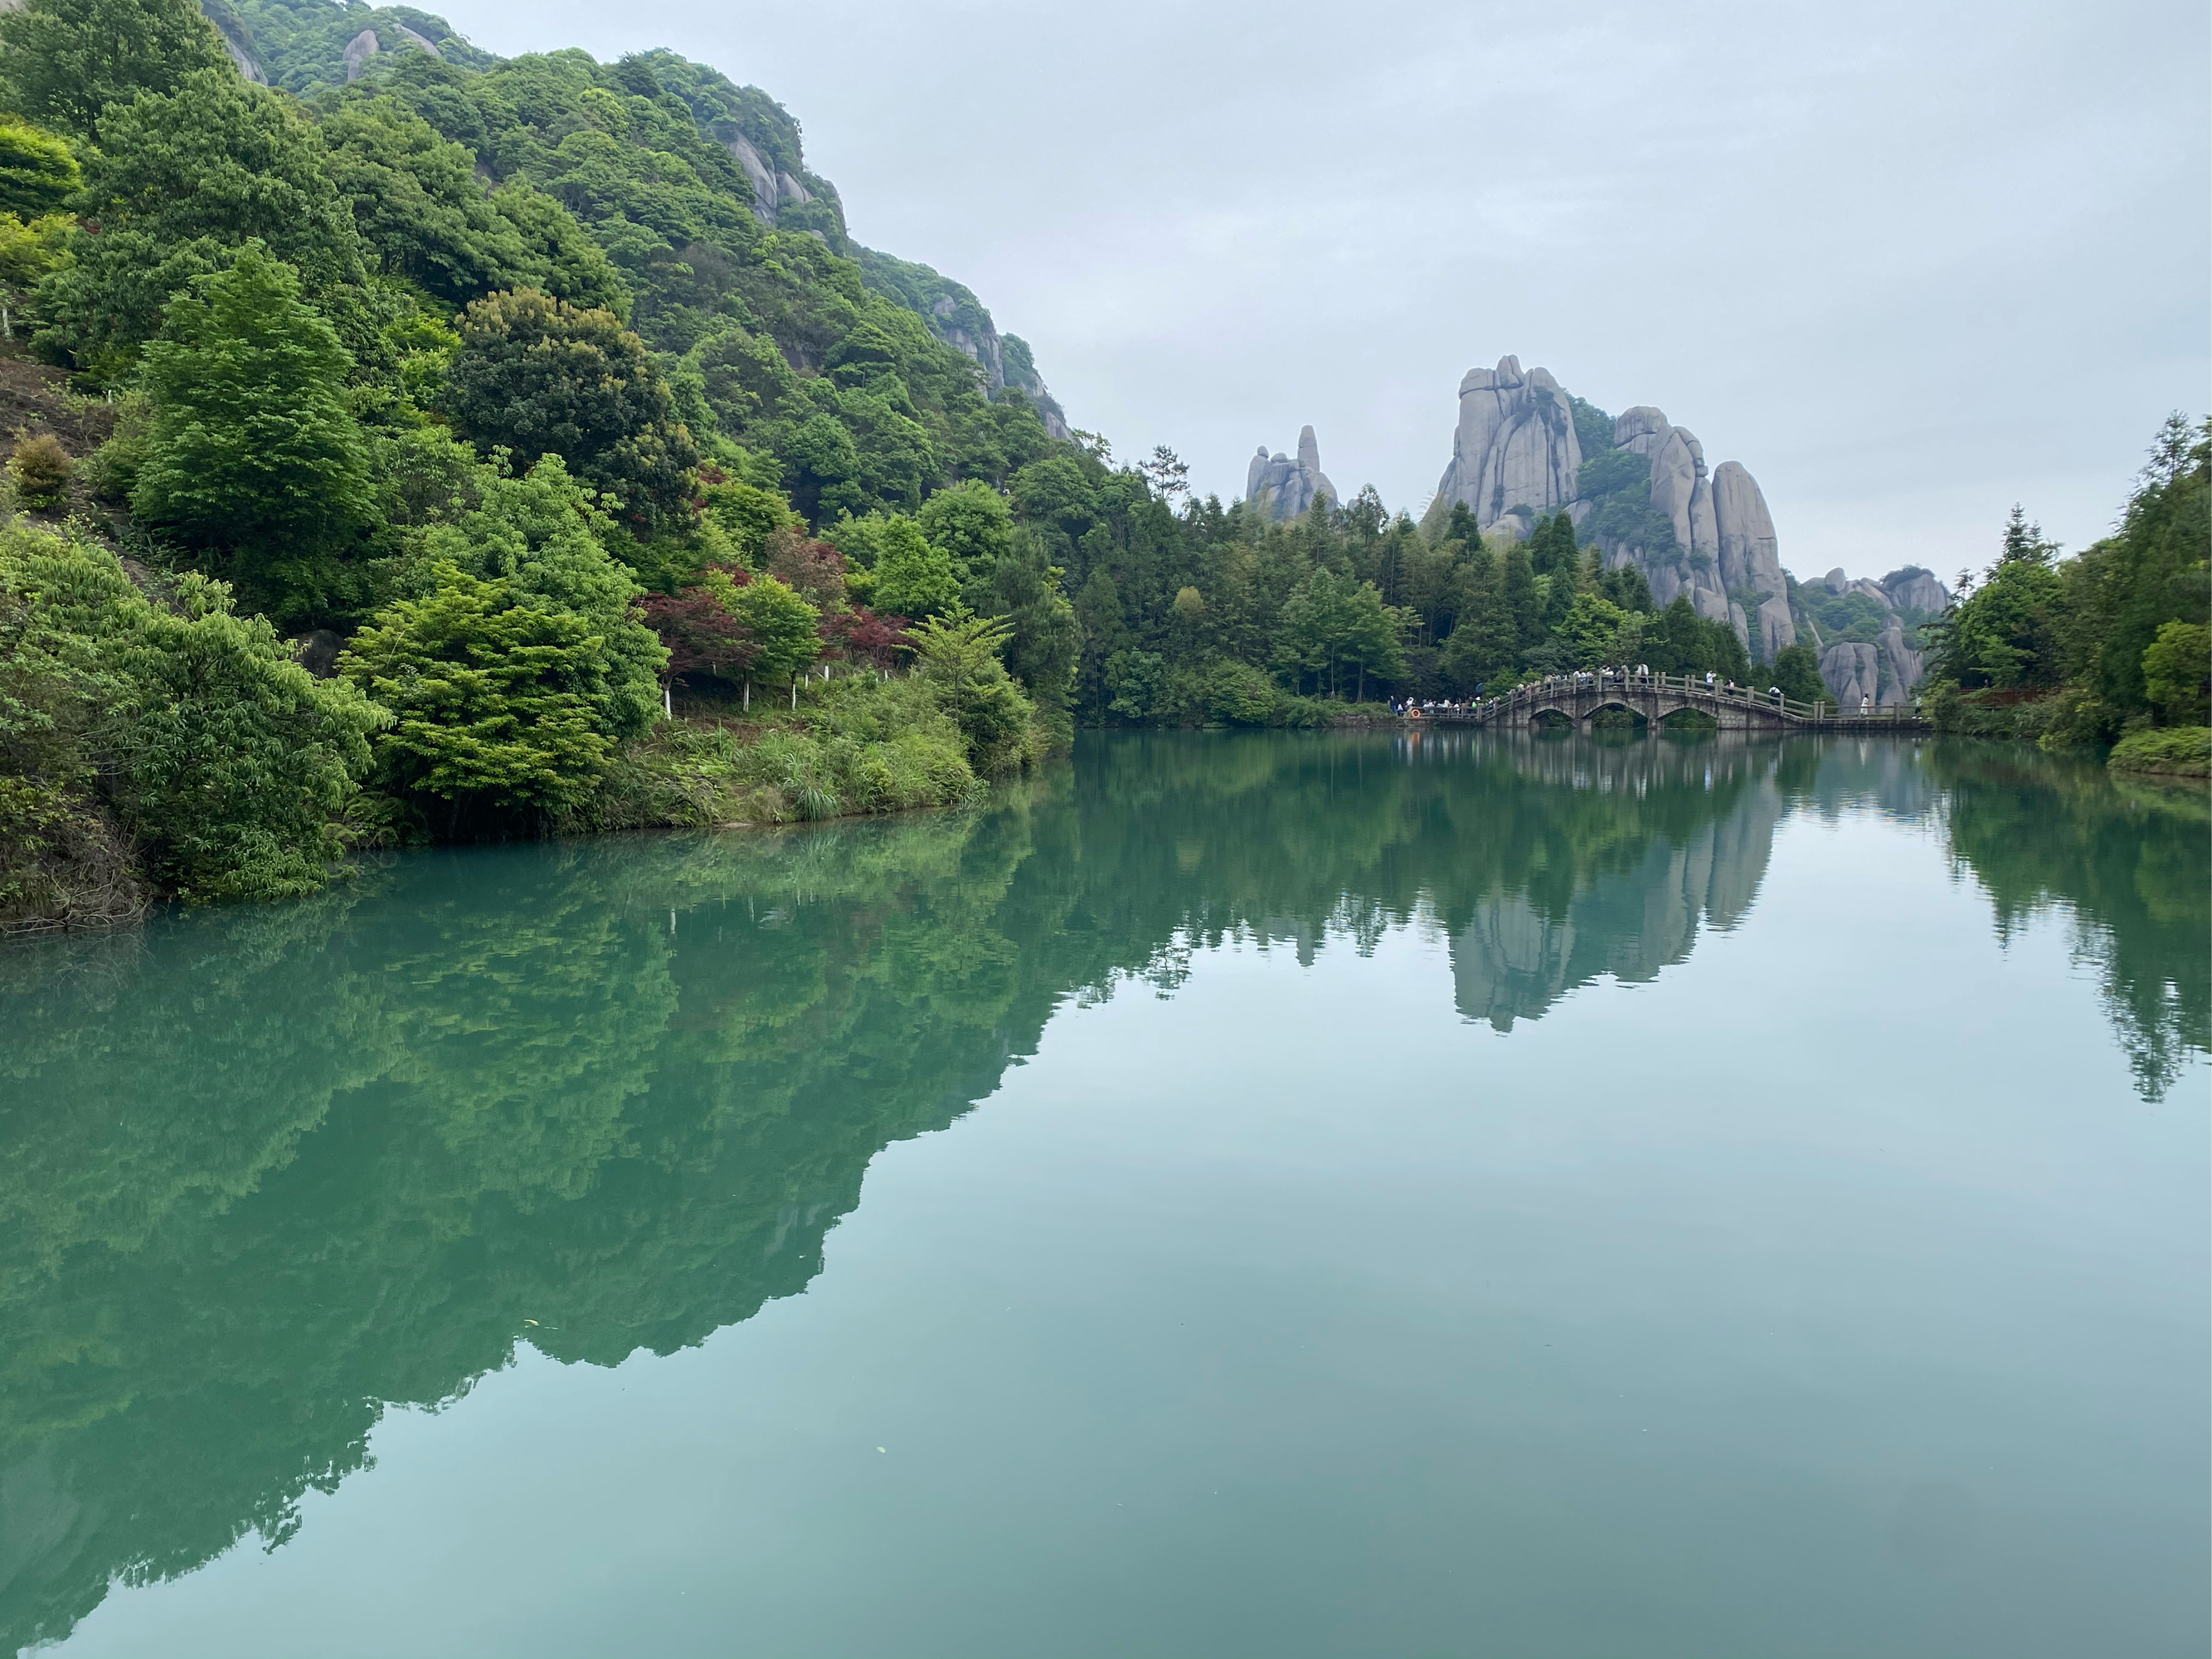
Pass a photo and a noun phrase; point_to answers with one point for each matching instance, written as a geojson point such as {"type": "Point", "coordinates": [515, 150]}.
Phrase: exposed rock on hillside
{"type": "Point", "coordinates": [1867, 633]}
{"type": "Point", "coordinates": [1281, 488]}
{"type": "Point", "coordinates": [1640, 490]}
{"type": "Point", "coordinates": [956, 316]}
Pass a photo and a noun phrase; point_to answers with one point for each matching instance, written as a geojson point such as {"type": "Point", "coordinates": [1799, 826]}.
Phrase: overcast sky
{"type": "Point", "coordinates": [1908, 262]}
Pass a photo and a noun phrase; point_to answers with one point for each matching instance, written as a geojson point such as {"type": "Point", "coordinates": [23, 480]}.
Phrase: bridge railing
{"type": "Point", "coordinates": [1695, 687]}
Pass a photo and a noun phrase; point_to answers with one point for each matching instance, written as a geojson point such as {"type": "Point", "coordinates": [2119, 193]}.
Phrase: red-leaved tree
{"type": "Point", "coordinates": [699, 630]}
{"type": "Point", "coordinates": [859, 635]}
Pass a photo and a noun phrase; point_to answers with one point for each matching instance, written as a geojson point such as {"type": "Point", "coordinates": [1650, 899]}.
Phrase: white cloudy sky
{"type": "Point", "coordinates": [1909, 263]}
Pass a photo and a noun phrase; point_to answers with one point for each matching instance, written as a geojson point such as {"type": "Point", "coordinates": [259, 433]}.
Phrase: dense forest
{"type": "Point", "coordinates": [2112, 646]}
{"type": "Point", "coordinates": [605, 1098]}
{"type": "Point", "coordinates": [416, 445]}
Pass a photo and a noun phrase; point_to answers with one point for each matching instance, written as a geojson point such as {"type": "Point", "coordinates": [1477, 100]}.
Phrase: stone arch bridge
{"type": "Point", "coordinates": [1576, 697]}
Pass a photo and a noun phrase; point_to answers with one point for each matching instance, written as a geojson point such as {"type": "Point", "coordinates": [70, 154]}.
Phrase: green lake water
{"type": "Point", "coordinates": [1234, 1195]}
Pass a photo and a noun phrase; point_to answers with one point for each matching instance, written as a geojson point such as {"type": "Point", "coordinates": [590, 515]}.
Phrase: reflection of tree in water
{"type": "Point", "coordinates": [2131, 865]}
{"type": "Point", "coordinates": [263, 1172]}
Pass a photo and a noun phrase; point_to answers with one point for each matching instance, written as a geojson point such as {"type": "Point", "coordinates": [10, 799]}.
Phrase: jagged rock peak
{"type": "Point", "coordinates": [1694, 529]}
{"type": "Point", "coordinates": [1515, 446]}
{"type": "Point", "coordinates": [1281, 488]}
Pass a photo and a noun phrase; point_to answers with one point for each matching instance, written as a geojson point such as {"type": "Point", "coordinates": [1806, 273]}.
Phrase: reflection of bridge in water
{"type": "Point", "coordinates": [1575, 698]}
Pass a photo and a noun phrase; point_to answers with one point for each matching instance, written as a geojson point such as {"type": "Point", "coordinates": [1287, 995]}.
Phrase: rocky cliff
{"type": "Point", "coordinates": [1514, 452]}
{"type": "Point", "coordinates": [1638, 487]}
{"type": "Point", "coordinates": [1280, 488]}
{"type": "Point", "coordinates": [956, 316]}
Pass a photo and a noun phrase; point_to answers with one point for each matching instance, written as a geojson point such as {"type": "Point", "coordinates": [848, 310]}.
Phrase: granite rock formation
{"type": "Point", "coordinates": [1887, 668]}
{"type": "Point", "coordinates": [1280, 488]}
{"type": "Point", "coordinates": [358, 51]}
{"type": "Point", "coordinates": [773, 191]}
{"type": "Point", "coordinates": [1517, 453]}
{"type": "Point", "coordinates": [1515, 447]}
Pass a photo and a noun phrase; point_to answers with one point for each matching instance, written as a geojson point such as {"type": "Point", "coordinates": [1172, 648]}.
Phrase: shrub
{"type": "Point", "coordinates": [856, 746]}
{"type": "Point", "coordinates": [2177, 750]}
{"type": "Point", "coordinates": [183, 746]}
{"type": "Point", "coordinates": [40, 469]}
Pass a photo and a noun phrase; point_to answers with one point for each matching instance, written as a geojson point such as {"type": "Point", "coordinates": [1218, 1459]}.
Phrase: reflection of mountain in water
{"type": "Point", "coordinates": [264, 1172]}
{"type": "Point", "coordinates": [1514, 957]}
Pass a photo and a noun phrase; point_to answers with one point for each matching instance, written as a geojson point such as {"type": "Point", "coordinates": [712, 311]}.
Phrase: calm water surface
{"type": "Point", "coordinates": [1235, 1195]}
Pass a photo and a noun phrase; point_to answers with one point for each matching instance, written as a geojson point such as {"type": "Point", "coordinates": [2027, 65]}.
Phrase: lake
{"type": "Point", "coordinates": [1257, 1194]}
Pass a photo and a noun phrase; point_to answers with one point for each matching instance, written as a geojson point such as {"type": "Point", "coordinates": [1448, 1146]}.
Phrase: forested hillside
{"type": "Point", "coordinates": [415, 444]}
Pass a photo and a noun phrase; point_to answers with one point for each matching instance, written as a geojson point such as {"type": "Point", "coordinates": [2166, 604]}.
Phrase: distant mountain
{"type": "Point", "coordinates": [1638, 487]}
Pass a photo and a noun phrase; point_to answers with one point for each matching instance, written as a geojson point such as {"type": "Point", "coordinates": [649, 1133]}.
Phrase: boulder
{"type": "Point", "coordinates": [1905, 665]}
{"type": "Point", "coordinates": [1835, 581]}
{"type": "Point", "coordinates": [1851, 672]}
{"type": "Point", "coordinates": [358, 51]}
{"type": "Point", "coordinates": [1750, 556]}
{"type": "Point", "coordinates": [421, 40]}
{"type": "Point", "coordinates": [1675, 465]}
{"type": "Point", "coordinates": [1913, 589]}
{"type": "Point", "coordinates": [1641, 430]}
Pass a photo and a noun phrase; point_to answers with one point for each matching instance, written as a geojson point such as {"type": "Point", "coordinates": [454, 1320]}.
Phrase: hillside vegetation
{"type": "Point", "coordinates": [451, 447]}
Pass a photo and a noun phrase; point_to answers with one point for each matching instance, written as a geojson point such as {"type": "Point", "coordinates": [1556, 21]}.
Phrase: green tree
{"type": "Point", "coordinates": [221, 760]}
{"type": "Point", "coordinates": [2006, 632]}
{"type": "Point", "coordinates": [1041, 654]}
{"type": "Point", "coordinates": [180, 182]}
{"type": "Point", "coordinates": [1485, 644]}
{"type": "Point", "coordinates": [1100, 632]}
{"type": "Point", "coordinates": [537, 376]}
{"type": "Point", "coordinates": [251, 450]}
{"type": "Point", "coordinates": [495, 699]}
{"type": "Point", "coordinates": [544, 538]}
{"type": "Point", "coordinates": [2177, 671]}
{"type": "Point", "coordinates": [1330, 624]}
{"type": "Point", "coordinates": [1797, 670]}
{"type": "Point", "coordinates": [2153, 572]}
{"type": "Point", "coordinates": [236, 762]}
{"type": "Point", "coordinates": [423, 213]}
{"type": "Point", "coordinates": [64, 61]}
{"type": "Point", "coordinates": [1137, 680]}
{"type": "Point", "coordinates": [1523, 603]}
{"type": "Point", "coordinates": [1597, 631]}
{"type": "Point", "coordinates": [38, 173]}
{"type": "Point", "coordinates": [914, 576]}
{"type": "Point", "coordinates": [971, 522]}
{"type": "Point", "coordinates": [780, 626]}
{"type": "Point", "coordinates": [957, 658]}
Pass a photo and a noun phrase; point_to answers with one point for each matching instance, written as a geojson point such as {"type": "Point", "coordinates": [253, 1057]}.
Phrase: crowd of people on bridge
{"type": "Point", "coordinates": [1597, 678]}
